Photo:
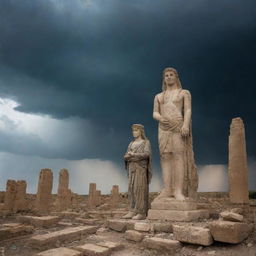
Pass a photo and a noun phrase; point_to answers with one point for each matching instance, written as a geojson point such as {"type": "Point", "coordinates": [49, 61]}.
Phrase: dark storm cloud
{"type": "Point", "coordinates": [102, 61]}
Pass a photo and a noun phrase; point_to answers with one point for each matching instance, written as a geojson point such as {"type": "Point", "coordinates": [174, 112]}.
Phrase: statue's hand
{"type": "Point", "coordinates": [184, 131]}
{"type": "Point", "coordinates": [127, 156]}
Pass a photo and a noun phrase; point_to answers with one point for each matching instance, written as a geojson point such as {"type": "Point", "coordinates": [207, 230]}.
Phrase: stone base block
{"type": "Point", "coordinates": [11, 230]}
{"type": "Point", "coordinates": [134, 235]}
{"type": "Point", "coordinates": [174, 215]}
{"type": "Point", "coordinates": [161, 244]}
{"type": "Point", "coordinates": [229, 232]}
{"type": "Point", "coordinates": [93, 250]}
{"type": "Point", "coordinates": [67, 234]}
{"type": "Point", "coordinates": [173, 204]}
{"type": "Point", "coordinates": [62, 251]}
{"type": "Point", "coordinates": [45, 221]}
{"type": "Point", "coordinates": [111, 245]}
{"type": "Point", "coordinates": [193, 235]}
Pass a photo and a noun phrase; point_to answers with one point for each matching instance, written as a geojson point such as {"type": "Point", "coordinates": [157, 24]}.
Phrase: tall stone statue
{"type": "Point", "coordinates": [138, 165]}
{"type": "Point", "coordinates": [172, 109]}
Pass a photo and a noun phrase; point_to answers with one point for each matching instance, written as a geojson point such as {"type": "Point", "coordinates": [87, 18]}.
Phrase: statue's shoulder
{"type": "Point", "coordinates": [185, 93]}
{"type": "Point", "coordinates": [159, 96]}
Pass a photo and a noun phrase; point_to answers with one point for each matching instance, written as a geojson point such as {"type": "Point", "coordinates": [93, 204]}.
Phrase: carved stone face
{"type": "Point", "coordinates": [136, 132]}
{"type": "Point", "coordinates": [170, 78]}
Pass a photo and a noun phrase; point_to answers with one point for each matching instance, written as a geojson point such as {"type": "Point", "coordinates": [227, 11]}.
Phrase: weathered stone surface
{"type": "Point", "coordinates": [64, 193]}
{"type": "Point", "coordinates": [45, 221]}
{"type": "Point", "coordinates": [93, 250]}
{"type": "Point", "coordinates": [161, 243]}
{"type": "Point", "coordinates": [44, 191]}
{"type": "Point", "coordinates": [111, 245]}
{"type": "Point", "coordinates": [163, 227]}
{"type": "Point", "coordinates": [229, 232]}
{"type": "Point", "coordinates": [69, 215]}
{"type": "Point", "coordinates": [10, 195]}
{"type": "Point", "coordinates": [237, 165]}
{"type": "Point", "coordinates": [20, 203]}
{"type": "Point", "coordinates": [62, 251]}
{"type": "Point", "coordinates": [134, 235]}
{"type": "Point", "coordinates": [115, 197]}
{"type": "Point", "coordinates": [231, 216]}
{"type": "Point", "coordinates": [173, 215]}
{"type": "Point", "coordinates": [87, 221]}
{"type": "Point", "coordinates": [117, 225]}
{"type": "Point", "coordinates": [11, 230]}
{"type": "Point", "coordinates": [94, 197]}
{"type": "Point", "coordinates": [142, 226]}
{"type": "Point", "coordinates": [173, 204]}
{"type": "Point", "coordinates": [193, 235]}
{"type": "Point", "coordinates": [68, 234]}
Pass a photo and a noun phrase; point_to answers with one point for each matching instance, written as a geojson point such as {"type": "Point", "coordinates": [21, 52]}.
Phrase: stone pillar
{"type": "Point", "coordinates": [10, 195]}
{"type": "Point", "coordinates": [237, 164]}
{"type": "Point", "coordinates": [63, 196]}
{"type": "Point", "coordinates": [20, 200]}
{"type": "Point", "coordinates": [94, 197]}
{"type": "Point", "coordinates": [44, 191]}
{"type": "Point", "coordinates": [114, 199]}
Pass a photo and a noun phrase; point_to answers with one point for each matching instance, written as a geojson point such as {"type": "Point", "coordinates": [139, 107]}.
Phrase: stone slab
{"type": "Point", "coordinates": [229, 232]}
{"type": "Point", "coordinates": [87, 221]}
{"type": "Point", "coordinates": [117, 225]}
{"type": "Point", "coordinates": [67, 234]}
{"type": "Point", "coordinates": [174, 215]}
{"type": "Point", "coordinates": [162, 227]}
{"type": "Point", "coordinates": [231, 216]}
{"type": "Point", "coordinates": [161, 244]}
{"type": "Point", "coordinates": [111, 245]}
{"type": "Point", "coordinates": [69, 214]}
{"type": "Point", "coordinates": [133, 235]}
{"type": "Point", "coordinates": [11, 230]}
{"type": "Point", "coordinates": [45, 221]}
{"type": "Point", "coordinates": [62, 251]}
{"type": "Point", "coordinates": [172, 204]}
{"type": "Point", "coordinates": [193, 235]}
{"type": "Point", "coordinates": [93, 250]}
{"type": "Point", "coordinates": [142, 226]}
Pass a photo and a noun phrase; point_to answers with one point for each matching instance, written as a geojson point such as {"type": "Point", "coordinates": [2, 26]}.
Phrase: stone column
{"type": "Point", "coordinates": [20, 200]}
{"type": "Point", "coordinates": [114, 195]}
{"type": "Point", "coordinates": [63, 196]}
{"type": "Point", "coordinates": [44, 191]}
{"type": "Point", "coordinates": [10, 195]}
{"type": "Point", "coordinates": [237, 164]}
{"type": "Point", "coordinates": [94, 197]}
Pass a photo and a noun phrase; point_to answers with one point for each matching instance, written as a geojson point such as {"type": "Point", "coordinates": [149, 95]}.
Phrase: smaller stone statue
{"type": "Point", "coordinates": [138, 165]}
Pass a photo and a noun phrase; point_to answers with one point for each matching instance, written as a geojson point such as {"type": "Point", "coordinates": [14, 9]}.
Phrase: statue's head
{"type": "Point", "coordinates": [170, 73]}
{"type": "Point", "coordinates": [138, 130]}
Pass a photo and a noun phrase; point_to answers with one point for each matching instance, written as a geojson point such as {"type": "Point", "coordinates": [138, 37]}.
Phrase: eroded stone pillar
{"type": "Point", "coordinates": [114, 195]}
{"type": "Point", "coordinates": [237, 164]}
{"type": "Point", "coordinates": [10, 195]}
{"type": "Point", "coordinates": [20, 199]}
{"type": "Point", "coordinates": [63, 196]}
{"type": "Point", "coordinates": [44, 191]}
{"type": "Point", "coordinates": [94, 197]}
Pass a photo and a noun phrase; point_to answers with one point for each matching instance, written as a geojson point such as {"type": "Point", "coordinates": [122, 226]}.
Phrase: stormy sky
{"type": "Point", "coordinates": [75, 74]}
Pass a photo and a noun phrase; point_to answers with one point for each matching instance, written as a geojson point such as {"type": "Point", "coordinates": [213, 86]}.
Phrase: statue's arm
{"type": "Point", "coordinates": [187, 113]}
{"type": "Point", "coordinates": [156, 111]}
{"type": "Point", "coordinates": [127, 155]}
{"type": "Point", "coordinates": [144, 155]}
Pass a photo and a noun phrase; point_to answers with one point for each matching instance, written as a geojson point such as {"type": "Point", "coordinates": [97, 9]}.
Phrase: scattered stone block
{"type": "Point", "coordinates": [163, 227]}
{"type": "Point", "coordinates": [62, 251]}
{"type": "Point", "coordinates": [111, 245]}
{"type": "Point", "coordinates": [161, 244]}
{"type": "Point", "coordinates": [231, 216]}
{"type": "Point", "coordinates": [229, 232]}
{"type": "Point", "coordinates": [193, 235]}
{"type": "Point", "coordinates": [93, 250]}
{"type": "Point", "coordinates": [134, 235]}
{"type": "Point", "coordinates": [87, 221]}
{"type": "Point", "coordinates": [173, 215]}
{"type": "Point", "coordinates": [68, 234]}
{"type": "Point", "coordinates": [45, 221]}
{"type": "Point", "coordinates": [117, 225]}
{"type": "Point", "coordinates": [11, 230]}
{"type": "Point", "coordinates": [142, 226]}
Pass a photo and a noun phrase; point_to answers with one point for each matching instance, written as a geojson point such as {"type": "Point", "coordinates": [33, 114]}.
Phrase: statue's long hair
{"type": "Point", "coordinates": [141, 128]}
{"type": "Point", "coordinates": [164, 86]}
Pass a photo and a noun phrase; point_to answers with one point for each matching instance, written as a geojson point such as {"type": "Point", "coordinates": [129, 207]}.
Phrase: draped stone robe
{"type": "Point", "coordinates": [139, 174]}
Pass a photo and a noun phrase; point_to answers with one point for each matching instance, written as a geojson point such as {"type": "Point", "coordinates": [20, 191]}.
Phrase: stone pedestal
{"type": "Point", "coordinates": [175, 210]}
